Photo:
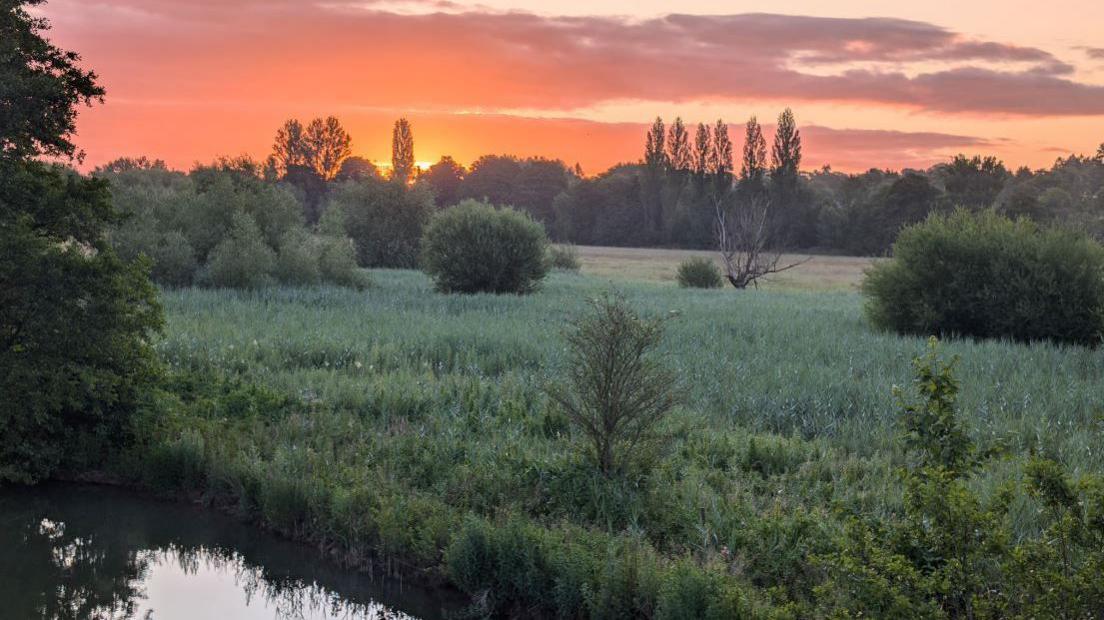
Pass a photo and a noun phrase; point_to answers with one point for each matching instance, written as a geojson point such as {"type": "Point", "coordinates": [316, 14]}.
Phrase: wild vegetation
{"type": "Point", "coordinates": [660, 452]}
{"type": "Point", "coordinates": [417, 425]}
{"type": "Point", "coordinates": [985, 276]}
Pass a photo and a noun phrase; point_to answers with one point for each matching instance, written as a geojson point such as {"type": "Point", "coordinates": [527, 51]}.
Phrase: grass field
{"type": "Point", "coordinates": [816, 273]}
{"type": "Point", "coordinates": [390, 418]}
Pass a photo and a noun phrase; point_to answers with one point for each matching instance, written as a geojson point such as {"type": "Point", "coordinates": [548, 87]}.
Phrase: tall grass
{"type": "Point", "coordinates": [389, 418]}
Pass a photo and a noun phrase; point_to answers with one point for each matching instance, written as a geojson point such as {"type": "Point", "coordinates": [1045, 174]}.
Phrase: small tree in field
{"type": "Point", "coordinates": [616, 392]}
{"type": "Point", "coordinates": [747, 240]}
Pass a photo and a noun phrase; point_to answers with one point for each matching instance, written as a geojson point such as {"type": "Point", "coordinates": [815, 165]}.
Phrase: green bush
{"type": "Point", "coordinates": [297, 261]}
{"type": "Point", "coordinates": [564, 257]}
{"type": "Point", "coordinates": [174, 261]}
{"type": "Point", "coordinates": [476, 248]}
{"type": "Point", "coordinates": [337, 263]}
{"type": "Point", "coordinates": [242, 259]}
{"type": "Point", "coordinates": [385, 221]}
{"type": "Point", "coordinates": [985, 276]}
{"type": "Point", "coordinates": [699, 273]}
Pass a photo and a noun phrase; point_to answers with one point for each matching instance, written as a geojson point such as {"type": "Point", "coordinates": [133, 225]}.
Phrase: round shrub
{"type": "Point", "coordinates": [174, 261]}
{"type": "Point", "coordinates": [563, 257]}
{"type": "Point", "coordinates": [242, 259]}
{"type": "Point", "coordinates": [699, 273]}
{"type": "Point", "coordinates": [476, 248]}
{"type": "Point", "coordinates": [337, 262]}
{"type": "Point", "coordinates": [985, 276]}
{"type": "Point", "coordinates": [385, 221]}
{"type": "Point", "coordinates": [297, 260]}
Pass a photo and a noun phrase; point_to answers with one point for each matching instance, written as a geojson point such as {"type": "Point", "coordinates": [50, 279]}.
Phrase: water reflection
{"type": "Point", "coordinates": [82, 552]}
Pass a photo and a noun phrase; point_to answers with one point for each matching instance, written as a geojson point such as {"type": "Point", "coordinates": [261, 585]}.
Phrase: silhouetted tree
{"type": "Point", "coordinates": [327, 145]}
{"type": "Point", "coordinates": [76, 321]}
{"type": "Point", "coordinates": [678, 147]}
{"type": "Point", "coordinates": [402, 151]}
{"type": "Point", "coordinates": [321, 146]}
{"type": "Point", "coordinates": [444, 178]}
{"type": "Point", "coordinates": [753, 169]}
{"type": "Point", "coordinates": [786, 152]}
{"type": "Point", "coordinates": [357, 169]}
{"type": "Point", "coordinates": [290, 147]}
{"type": "Point", "coordinates": [703, 145]}
{"type": "Point", "coordinates": [797, 226]}
{"type": "Point", "coordinates": [655, 151]}
{"type": "Point", "coordinates": [720, 157]}
{"type": "Point", "coordinates": [972, 182]}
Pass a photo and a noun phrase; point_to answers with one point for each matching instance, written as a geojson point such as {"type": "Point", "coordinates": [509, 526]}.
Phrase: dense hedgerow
{"type": "Point", "coordinates": [982, 275]}
{"type": "Point", "coordinates": [476, 248]}
{"type": "Point", "coordinates": [699, 273]}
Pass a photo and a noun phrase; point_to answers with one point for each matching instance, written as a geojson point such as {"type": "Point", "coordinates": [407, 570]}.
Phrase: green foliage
{"type": "Point", "coordinates": [617, 393]}
{"type": "Point", "coordinates": [432, 414]}
{"type": "Point", "coordinates": [241, 260]}
{"type": "Point", "coordinates": [385, 221]}
{"type": "Point", "coordinates": [563, 257]}
{"type": "Point", "coordinates": [297, 260]}
{"type": "Point", "coordinates": [699, 273]}
{"type": "Point", "coordinates": [475, 248]}
{"type": "Point", "coordinates": [950, 555]}
{"type": "Point", "coordinates": [337, 263]}
{"type": "Point", "coordinates": [76, 320]}
{"type": "Point", "coordinates": [984, 276]}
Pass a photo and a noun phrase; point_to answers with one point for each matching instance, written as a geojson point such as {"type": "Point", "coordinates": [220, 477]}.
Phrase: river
{"type": "Point", "coordinates": [94, 552]}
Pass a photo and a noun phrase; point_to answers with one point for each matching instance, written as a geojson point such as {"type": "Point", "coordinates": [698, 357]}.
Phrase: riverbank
{"type": "Point", "coordinates": [401, 424]}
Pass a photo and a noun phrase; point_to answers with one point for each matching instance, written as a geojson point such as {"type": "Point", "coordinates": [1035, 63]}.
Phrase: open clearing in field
{"type": "Point", "coordinates": [820, 273]}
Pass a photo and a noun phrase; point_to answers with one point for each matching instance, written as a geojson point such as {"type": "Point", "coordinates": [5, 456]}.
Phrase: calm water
{"type": "Point", "coordinates": [88, 552]}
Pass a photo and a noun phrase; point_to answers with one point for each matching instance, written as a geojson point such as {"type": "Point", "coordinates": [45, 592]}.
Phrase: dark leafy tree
{"type": "Point", "coordinates": [357, 169]}
{"type": "Point", "coordinates": [786, 152]}
{"type": "Point", "coordinates": [76, 320]}
{"type": "Point", "coordinates": [444, 178]}
{"type": "Point", "coordinates": [703, 146]}
{"type": "Point", "coordinates": [753, 169]}
{"type": "Point", "coordinates": [384, 220]}
{"type": "Point", "coordinates": [972, 182]}
{"type": "Point", "coordinates": [290, 149]}
{"type": "Point", "coordinates": [328, 145]}
{"type": "Point", "coordinates": [678, 147]}
{"type": "Point", "coordinates": [655, 149]}
{"type": "Point", "coordinates": [402, 152]}
{"type": "Point", "coordinates": [720, 156]}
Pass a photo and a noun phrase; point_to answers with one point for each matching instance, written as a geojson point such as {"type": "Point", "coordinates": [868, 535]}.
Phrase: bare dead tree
{"type": "Point", "coordinates": [746, 239]}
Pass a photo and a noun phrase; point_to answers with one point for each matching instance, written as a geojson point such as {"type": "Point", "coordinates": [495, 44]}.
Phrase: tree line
{"type": "Point", "coordinates": [670, 197]}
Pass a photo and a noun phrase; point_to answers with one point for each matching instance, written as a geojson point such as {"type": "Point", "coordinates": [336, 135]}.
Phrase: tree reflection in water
{"type": "Point", "coordinates": [78, 553]}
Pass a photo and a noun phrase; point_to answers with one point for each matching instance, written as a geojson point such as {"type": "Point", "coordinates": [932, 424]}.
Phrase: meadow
{"type": "Point", "coordinates": [390, 422]}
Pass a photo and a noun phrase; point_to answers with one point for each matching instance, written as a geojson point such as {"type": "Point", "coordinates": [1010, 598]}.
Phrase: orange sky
{"type": "Point", "coordinates": [871, 84]}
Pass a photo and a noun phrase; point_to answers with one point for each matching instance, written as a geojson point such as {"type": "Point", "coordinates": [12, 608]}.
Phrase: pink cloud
{"type": "Point", "coordinates": [344, 53]}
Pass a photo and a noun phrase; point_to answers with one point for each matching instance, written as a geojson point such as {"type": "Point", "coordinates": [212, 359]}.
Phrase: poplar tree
{"type": "Point", "coordinates": [678, 147]}
{"type": "Point", "coordinates": [655, 152]}
{"type": "Point", "coordinates": [786, 154]}
{"type": "Point", "coordinates": [703, 145]}
{"type": "Point", "coordinates": [720, 156]}
{"type": "Point", "coordinates": [402, 151]}
{"type": "Point", "coordinates": [754, 166]}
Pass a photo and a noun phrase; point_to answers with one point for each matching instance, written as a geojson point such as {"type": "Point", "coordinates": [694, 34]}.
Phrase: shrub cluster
{"type": "Point", "coordinates": [699, 273]}
{"type": "Point", "coordinates": [563, 257]}
{"type": "Point", "coordinates": [985, 276]}
{"type": "Point", "coordinates": [222, 226]}
{"type": "Point", "coordinates": [384, 219]}
{"type": "Point", "coordinates": [476, 248]}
